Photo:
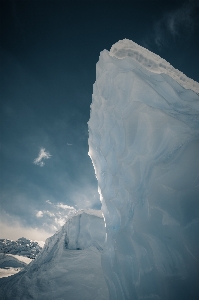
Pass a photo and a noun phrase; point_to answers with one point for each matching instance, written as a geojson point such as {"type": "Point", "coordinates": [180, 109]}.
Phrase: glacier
{"type": "Point", "coordinates": [68, 267]}
{"type": "Point", "coordinates": [144, 145]}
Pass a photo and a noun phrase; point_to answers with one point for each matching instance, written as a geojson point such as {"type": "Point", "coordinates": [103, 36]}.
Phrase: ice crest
{"type": "Point", "coordinates": [151, 61]}
{"type": "Point", "coordinates": [144, 145]}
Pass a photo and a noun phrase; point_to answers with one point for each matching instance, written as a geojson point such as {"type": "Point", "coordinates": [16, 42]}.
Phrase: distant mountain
{"type": "Point", "coordinates": [22, 246]}
{"type": "Point", "coordinates": [16, 255]}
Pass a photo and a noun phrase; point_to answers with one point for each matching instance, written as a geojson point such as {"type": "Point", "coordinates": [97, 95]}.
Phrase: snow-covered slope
{"type": "Point", "coordinates": [144, 145]}
{"type": "Point", "coordinates": [13, 261]}
{"type": "Point", "coordinates": [11, 264]}
{"type": "Point", "coordinates": [68, 267]}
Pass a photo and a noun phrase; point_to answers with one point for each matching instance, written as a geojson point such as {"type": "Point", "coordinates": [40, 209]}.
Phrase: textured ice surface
{"type": "Point", "coordinates": [144, 145]}
{"type": "Point", "coordinates": [68, 267]}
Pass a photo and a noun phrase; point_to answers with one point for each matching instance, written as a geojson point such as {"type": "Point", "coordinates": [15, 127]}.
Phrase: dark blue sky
{"type": "Point", "coordinates": [48, 52]}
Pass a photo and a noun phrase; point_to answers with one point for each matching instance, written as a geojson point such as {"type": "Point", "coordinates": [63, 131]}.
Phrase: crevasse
{"type": "Point", "coordinates": [144, 145]}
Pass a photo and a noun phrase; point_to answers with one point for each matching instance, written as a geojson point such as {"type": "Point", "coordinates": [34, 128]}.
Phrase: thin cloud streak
{"type": "Point", "coordinates": [55, 216]}
{"type": "Point", "coordinates": [175, 23]}
{"type": "Point", "coordinates": [42, 155]}
{"type": "Point", "coordinates": [180, 18]}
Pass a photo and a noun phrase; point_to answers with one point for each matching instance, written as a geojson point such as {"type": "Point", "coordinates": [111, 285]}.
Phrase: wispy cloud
{"type": "Point", "coordinates": [175, 23]}
{"type": "Point", "coordinates": [64, 206]}
{"type": "Point", "coordinates": [42, 155]}
{"type": "Point", "coordinates": [56, 215]}
{"type": "Point", "coordinates": [39, 214]}
{"type": "Point", "coordinates": [180, 19]}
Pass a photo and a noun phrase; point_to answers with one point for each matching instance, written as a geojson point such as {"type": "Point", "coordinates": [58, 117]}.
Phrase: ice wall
{"type": "Point", "coordinates": [144, 145]}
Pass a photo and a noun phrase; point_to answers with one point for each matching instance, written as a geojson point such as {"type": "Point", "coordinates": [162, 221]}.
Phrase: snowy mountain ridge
{"type": "Point", "coordinates": [22, 246]}
{"type": "Point", "coordinates": [15, 255]}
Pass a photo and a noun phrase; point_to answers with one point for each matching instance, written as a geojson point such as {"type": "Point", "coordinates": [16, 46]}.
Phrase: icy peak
{"type": "Point", "coordinates": [152, 62]}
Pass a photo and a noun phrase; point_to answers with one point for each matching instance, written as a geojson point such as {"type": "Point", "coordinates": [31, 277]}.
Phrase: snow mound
{"type": "Point", "coordinates": [11, 264]}
{"type": "Point", "coordinates": [144, 145]}
{"type": "Point", "coordinates": [151, 61]}
{"type": "Point", "coordinates": [10, 261]}
{"type": "Point", "coordinates": [68, 267]}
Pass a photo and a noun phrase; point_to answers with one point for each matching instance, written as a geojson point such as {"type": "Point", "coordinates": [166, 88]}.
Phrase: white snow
{"type": "Point", "coordinates": [23, 259]}
{"type": "Point", "coordinates": [144, 145]}
{"type": "Point", "coordinates": [6, 272]}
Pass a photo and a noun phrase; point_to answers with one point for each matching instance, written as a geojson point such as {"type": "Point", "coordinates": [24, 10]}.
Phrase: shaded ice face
{"type": "Point", "coordinates": [144, 144]}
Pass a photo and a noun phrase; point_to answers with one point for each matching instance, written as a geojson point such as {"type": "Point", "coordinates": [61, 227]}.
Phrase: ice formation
{"type": "Point", "coordinates": [144, 145]}
{"type": "Point", "coordinates": [68, 267]}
